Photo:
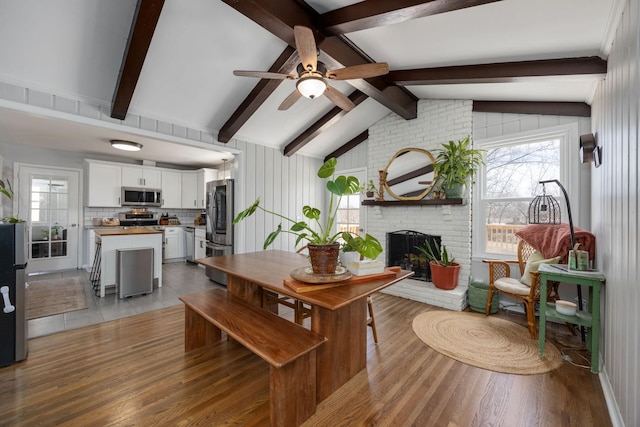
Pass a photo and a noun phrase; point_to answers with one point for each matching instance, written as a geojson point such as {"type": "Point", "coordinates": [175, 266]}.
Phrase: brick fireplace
{"type": "Point", "coordinates": [438, 121]}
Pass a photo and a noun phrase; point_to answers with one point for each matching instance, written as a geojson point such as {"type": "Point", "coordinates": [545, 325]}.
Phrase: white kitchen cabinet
{"type": "Point", "coordinates": [171, 189]}
{"type": "Point", "coordinates": [104, 187]}
{"type": "Point", "coordinates": [202, 189]}
{"type": "Point", "coordinates": [200, 244]}
{"type": "Point", "coordinates": [173, 243]}
{"type": "Point", "coordinates": [139, 176]}
{"type": "Point", "coordinates": [189, 190]}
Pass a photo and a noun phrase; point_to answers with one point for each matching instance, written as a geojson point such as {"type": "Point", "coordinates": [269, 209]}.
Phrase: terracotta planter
{"type": "Point", "coordinates": [324, 258]}
{"type": "Point", "coordinates": [445, 277]}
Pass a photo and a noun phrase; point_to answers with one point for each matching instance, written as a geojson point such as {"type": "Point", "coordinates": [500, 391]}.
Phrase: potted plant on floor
{"type": "Point", "coordinates": [444, 270]}
{"type": "Point", "coordinates": [456, 163]}
{"type": "Point", "coordinates": [322, 243]}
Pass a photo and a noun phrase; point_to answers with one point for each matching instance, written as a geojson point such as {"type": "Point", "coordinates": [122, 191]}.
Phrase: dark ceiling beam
{"type": "Point", "coordinates": [577, 109]}
{"type": "Point", "coordinates": [584, 67]}
{"type": "Point", "coordinates": [144, 24]}
{"type": "Point", "coordinates": [371, 14]}
{"type": "Point", "coordinates": [349, 145]}
{"type": "Point", "coordinates": [286, 63]}
{"type": "Point", "coordinates": [341, 52]}
{"type": "Point", "coordinates": [321, 125]}
{"type": "Point", "coordinates": [280, 16]}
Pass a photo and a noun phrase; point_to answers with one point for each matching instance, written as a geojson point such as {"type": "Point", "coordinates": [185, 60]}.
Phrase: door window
{"type": "Point", "coordinates": [49, 216]}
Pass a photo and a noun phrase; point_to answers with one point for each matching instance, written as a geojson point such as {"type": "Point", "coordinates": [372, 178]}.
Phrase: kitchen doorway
{"type": "Point", "coordinates": [48, 198]}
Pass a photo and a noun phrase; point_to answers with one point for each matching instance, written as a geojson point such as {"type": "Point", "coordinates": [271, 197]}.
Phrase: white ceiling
{"type": "Point", "coordinates": [74, 48]}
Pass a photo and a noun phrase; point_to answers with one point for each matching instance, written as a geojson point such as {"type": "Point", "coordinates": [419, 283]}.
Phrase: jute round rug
{"type": "Point", "coordinates": [485, 342]}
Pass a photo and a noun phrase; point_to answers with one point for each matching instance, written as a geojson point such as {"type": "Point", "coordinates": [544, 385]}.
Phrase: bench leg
{"type": "Point", "coordinates": [198, 332]}
{"type": "Point", "coordinates": [293, 391]}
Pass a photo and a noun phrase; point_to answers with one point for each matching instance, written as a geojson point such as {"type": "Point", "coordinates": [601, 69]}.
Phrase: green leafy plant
{"type": "Point", "coordinates": [6, 189]}
{"type": "Point", "coordinates": [321, 234]}
{"type": "Point", "coordinates": [8, 192]}
{"type": "Point", "coordinates": [456, 162]}
{"type": "Point", "coordinates": [439, 254]}
{"type": "Point", "coordinates": [367, 246]}
{"type": "Point", "coordinates": [370, 189]}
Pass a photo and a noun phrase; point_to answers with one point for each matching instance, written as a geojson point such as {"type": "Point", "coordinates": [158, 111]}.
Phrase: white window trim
{"type": "Point", "coordinates": [569, 165]}
{"type": "Point", "coordinates": [355, 172]}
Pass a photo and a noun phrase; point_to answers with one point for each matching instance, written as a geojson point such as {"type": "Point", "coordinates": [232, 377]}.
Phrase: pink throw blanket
{"type": "Point", "coordinates": [553, 240]}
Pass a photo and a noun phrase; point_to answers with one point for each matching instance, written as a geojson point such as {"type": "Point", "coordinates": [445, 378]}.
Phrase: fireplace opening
{"type": "Point", "coordinates": [402, 252]}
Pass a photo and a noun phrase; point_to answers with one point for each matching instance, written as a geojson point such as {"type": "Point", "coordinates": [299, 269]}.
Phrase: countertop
{"type": "Point", "coordinates": [120, 227]}
{"type": "Point", "coordinates": [126, 231]}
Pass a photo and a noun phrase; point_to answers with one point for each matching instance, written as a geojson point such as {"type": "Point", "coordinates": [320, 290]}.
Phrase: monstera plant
{"type": "Point", "coordinates": [323, 244]}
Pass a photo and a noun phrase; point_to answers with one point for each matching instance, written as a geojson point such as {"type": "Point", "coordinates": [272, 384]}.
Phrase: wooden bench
{"type": "Point", "coordinates": [289, 349]}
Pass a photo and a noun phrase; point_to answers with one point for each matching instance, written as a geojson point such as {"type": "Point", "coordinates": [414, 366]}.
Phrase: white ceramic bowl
{"type": "Point", "coordinates": [565, 307]}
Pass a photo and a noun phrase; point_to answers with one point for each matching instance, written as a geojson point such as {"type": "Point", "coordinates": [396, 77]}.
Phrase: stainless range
{"type": "Point", "coordinates": [142, 217]}
{"type": "Point", "coordinates": [139, 217]}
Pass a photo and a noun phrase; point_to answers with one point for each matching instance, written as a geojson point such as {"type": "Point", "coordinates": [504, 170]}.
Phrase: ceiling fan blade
{"type": "Point", "coordinates": [363, 71]}
{"type": "Point", "coordinates": [290, 100]}
{"type": "Point", "coordinates": [339, 99]}
{"type": "Point", "coordinates": [306, 47]}
{"type": "Point", "coordinates": [264, 75]}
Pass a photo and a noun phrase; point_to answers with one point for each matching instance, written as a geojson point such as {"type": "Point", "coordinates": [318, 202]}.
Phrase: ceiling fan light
{"type": "Point", "coordinates": [311, 86]}
{"type": "Point", "coordinates": [125, 145]}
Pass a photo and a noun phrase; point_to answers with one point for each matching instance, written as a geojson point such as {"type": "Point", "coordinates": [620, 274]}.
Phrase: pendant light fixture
{"type": "Point", "coordinates": [121, 144]}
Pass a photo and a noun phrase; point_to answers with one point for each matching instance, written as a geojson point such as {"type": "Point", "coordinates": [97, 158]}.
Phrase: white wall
{"type": "Point", "coordinates": [283, 184]}
{"type": "Point", "coordinates": [614, 215]}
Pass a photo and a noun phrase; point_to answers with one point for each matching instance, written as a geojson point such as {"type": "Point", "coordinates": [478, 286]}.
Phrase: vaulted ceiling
{"type": "Point", "coordinates": [173, 61]}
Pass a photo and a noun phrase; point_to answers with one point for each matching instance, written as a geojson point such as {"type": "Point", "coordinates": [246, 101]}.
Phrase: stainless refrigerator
{"type": "Point", "coordinates": [219, 224]}
{"type": "Point", "coordinates": [13, 322]}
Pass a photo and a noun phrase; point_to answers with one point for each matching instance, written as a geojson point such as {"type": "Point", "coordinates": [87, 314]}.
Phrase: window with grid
{"type": "Point", "coordinates": [348, 217]}
{"type": "Point", "coordinates": [508, 182]}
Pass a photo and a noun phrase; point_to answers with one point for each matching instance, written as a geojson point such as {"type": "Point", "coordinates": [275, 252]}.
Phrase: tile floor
{"type": "Point", "coordinates": [178, 278]}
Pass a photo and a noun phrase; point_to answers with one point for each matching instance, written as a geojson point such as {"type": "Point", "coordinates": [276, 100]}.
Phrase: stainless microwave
{"type": "Point", "coordinates": [137, 196]}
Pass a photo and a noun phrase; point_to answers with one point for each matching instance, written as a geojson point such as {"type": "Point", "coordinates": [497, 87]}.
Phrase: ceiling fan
{"type": "Point", "coordinates": [312, 74]}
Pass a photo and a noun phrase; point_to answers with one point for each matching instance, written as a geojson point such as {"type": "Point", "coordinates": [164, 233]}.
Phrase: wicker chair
{"type": "Point", "coordinates": [500, 281]}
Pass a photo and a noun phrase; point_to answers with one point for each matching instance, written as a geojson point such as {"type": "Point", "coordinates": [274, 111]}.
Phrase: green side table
{"type": "Point", "coordinates": [589, 319]}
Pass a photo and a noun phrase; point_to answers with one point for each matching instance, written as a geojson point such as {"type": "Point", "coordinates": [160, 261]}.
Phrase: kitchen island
{"type": "Point", "coordinates": [126, 238]}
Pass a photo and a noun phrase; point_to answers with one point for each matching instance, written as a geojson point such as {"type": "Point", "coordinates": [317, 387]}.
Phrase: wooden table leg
{"type": "Point", "coordinates": [345, 352]}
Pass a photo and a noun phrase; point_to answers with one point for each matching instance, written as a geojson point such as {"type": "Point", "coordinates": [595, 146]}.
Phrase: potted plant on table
{"type": "Point", "coordinates": [322, 243]}
{"type": "Point", "coordinates": [456, 162]}
{"type": "Point", "coordinates": [444, 270]}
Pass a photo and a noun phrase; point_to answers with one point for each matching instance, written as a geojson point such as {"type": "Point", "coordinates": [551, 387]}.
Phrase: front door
{"type": "Point", "coordinates": [49, 201]}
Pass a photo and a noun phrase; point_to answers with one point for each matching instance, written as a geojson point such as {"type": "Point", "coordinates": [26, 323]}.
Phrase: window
{"type": "Point", "coordinates": [508, 183]}
{"type": "Point", "coordinates": [49, 216]}
{"type": "Point", "coordinates": [348, 217]}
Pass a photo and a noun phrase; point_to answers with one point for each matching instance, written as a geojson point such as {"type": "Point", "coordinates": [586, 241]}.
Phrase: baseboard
{"type": "Point", "coordinates": [609, 397]}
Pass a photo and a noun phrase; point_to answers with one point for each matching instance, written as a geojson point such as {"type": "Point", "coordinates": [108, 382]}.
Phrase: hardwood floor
{"type": "Point", "coordinates": [133, 371]}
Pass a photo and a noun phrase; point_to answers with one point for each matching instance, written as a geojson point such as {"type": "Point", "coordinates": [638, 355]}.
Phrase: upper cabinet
{"type": "Point", "coordinates": [104, 184]}
{"type": "Point", "coordinates": [171, 189]}
{"type": "Point", "coordinates": [180, 189]}
{"type": "Point", "coordinates": [139, 176]}
{"type": "Point", "coordinates": [190, 189]}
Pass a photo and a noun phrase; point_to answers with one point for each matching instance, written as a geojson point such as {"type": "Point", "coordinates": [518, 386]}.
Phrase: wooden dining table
{"type": "Point", "coordinates": [338, 313]}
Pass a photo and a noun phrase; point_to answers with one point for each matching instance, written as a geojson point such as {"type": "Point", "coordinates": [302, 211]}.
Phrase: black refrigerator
{"type": "Point", "coordinates": [13, 299]}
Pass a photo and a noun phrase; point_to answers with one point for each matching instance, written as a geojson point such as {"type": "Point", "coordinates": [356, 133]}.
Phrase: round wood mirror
{"type": "Point", "coordinates": [409, 174]}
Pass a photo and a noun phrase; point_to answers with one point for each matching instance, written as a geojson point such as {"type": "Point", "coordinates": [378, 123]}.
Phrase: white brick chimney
{"type": "Point", "coordinates": [438, 121]}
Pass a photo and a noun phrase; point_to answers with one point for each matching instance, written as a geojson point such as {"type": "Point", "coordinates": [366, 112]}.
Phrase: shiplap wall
{"type": "Point", "coordinates": [614, 215]}
{"type": "Point", "coordinates": [283, 184]}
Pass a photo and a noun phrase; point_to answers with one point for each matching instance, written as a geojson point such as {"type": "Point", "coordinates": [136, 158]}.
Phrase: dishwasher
{"type": "Point", "coordinates": [189, 243]}
{"type": "Point", "coordinates": [134, 271]}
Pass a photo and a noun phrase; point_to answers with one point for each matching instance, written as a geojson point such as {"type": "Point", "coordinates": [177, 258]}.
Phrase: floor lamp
{"type": "Point", "coordinates": [546, 210]}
